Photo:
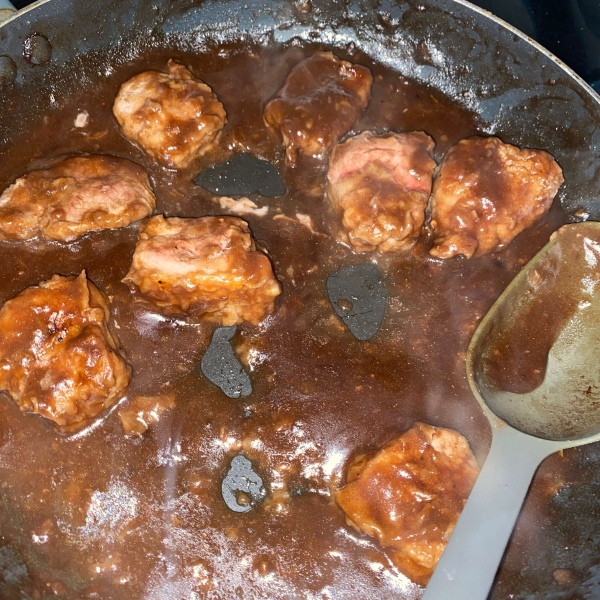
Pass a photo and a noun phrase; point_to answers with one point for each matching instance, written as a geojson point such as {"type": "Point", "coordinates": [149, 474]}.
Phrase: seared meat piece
{"type": "Point", "coordinates": [173, 116]}
{"type": "Point", "coordinates": [410, 494]}
{"type": "Point", "coordinates": [379, 185]}
{"type": "Point", "coordinates": [208, 268]}
{"type": "Point", "coordinates": [319, 102]}
{"type": "Point", "coordinates": [75, 196]}
{"type": "Point", "coordinates": [486, 193]}
{"type": "Point", "coordinates": [57, 356]}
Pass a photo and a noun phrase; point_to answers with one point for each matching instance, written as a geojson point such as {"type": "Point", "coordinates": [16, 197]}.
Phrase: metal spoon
{"type": "Point", "coordinates": [562, 412]}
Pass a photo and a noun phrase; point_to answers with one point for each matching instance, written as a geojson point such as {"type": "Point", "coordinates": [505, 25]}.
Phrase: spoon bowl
{"type": "Point", "coordinates": [533, 366]}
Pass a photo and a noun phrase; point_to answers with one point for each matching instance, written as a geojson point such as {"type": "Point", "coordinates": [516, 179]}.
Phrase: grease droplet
{"type": "Point", "coordinates": [345, 305]}
{"type": "Point", "coordinates": [37, 49]}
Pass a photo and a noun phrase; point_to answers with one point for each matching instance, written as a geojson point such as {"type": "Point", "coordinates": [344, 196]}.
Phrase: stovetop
{"type": "Point", "coordinates": [568, 28]}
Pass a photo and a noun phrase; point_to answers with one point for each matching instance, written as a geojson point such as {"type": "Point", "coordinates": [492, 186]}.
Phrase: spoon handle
{"type": "Point", "coordinates": [469, 563]}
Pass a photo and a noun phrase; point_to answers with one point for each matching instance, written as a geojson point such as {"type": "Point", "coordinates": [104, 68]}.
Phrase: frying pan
{"type": "Point", "coordinates": [517, 89]}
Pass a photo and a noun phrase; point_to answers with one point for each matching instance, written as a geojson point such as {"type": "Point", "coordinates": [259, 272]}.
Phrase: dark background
{"type": "Point", "coordinates": [568, 28]}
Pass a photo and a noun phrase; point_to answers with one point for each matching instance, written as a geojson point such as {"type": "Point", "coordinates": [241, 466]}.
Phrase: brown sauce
{"type": "Point", "coordinates": [109, 516]}
{"type": "Point", "coordinates": [520, 357]}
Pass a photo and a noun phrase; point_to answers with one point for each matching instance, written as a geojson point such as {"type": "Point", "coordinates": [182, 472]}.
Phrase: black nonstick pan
{"type": "Point", "coordinates": [58, 55]}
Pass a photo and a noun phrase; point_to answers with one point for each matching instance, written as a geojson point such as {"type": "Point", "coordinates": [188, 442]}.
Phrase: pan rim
{"type": "Point", "coordinates": [477, 9]}
{"type": "Point", "coordinates": [559, 63]}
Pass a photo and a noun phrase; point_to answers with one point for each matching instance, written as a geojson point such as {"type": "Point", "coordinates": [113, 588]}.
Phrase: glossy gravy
{"type": "Point", "coordinates": [104, 515]}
